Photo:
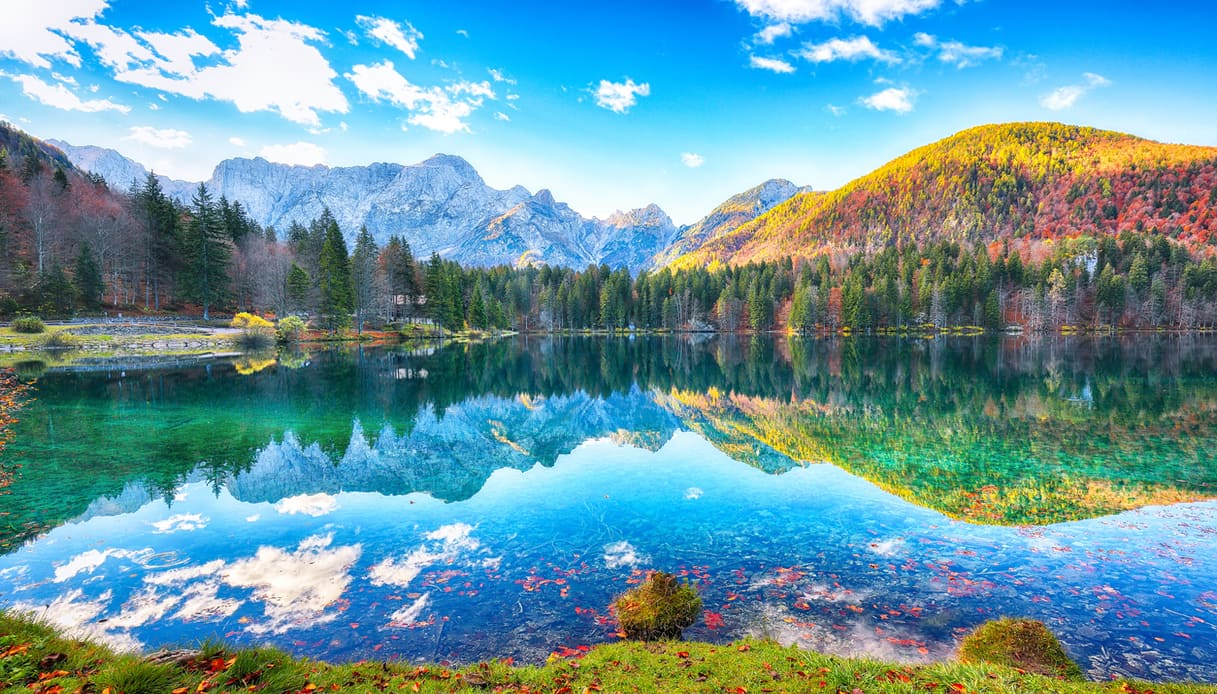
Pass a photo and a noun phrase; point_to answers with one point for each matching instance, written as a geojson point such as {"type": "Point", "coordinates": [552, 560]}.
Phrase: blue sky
{"type": "Point", "coordinates": [609, 105]}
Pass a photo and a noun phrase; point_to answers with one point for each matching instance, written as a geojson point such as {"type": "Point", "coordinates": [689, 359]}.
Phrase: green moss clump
{"type": "Point", "coordinates": [660, 608]}
{"type": "Point", "coordinates": [1025, 644]}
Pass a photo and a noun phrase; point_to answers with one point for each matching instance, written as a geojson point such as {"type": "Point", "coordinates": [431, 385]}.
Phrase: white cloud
{"type": "Point", "coordinates": [409, 615]}
{"type": "Point", "coordinates": [898, 99]}
{"type": "Point", "coordinates": [500, 76]}
{"type": "Point", "coordinates": [31, 30]}
{"type": "Point", "coordinates": [75, 616]}
{"type": "Point", "coordinates": [621, 554]}
{"type": "Point", "coordinates": [853, 50]}
{"type": "Point", "coordinates": [59, 96]}
{"type": "Point", "coordinates": [453, 540]}
{"type": "Point", "coordinates": [182, 522]}
{"type": "Point", "coordinates": [835, 110]}
{"type": "Point", "coordinates": [295, 587]}
{"type": "Point", "coordinates": [401, 36]}
{"type": "Point", "coordinates": [1065, 97]}
{"type": "Point", "coordinates": [773, 32]}
{"type": "Point", "coordinates": [236, 142]}
{"type": "Point", "coordinates": [301, 154]}
{"type": "Point", "coordinates": [499, 115]}
{"type": "Point", "coordinates": [619, 97]}
{"type": "Point", "coordinates": [275, 66]}
{"type": "Point", "coordinates": [956, 53]}
{"type": "Point", "coordinates": [872, 12]}
{"type": "Point", "coordinates": [90, 560]}
{"type": "Point", "coordinates": [443, 109]}
{"type": "Point", "coordinates": [692, 160]}
{"type": "Point", "coordinates": [771, 64]}
{"type": "Point", "coordinates": [462, 32]}
{"type": "Point", "coordinates": [161, 139]}
{"type": "Point", "coordinates": [178, 50]}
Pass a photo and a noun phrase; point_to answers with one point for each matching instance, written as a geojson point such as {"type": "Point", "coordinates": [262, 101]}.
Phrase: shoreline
{"type": "Point", "coordinates": [47, 659]}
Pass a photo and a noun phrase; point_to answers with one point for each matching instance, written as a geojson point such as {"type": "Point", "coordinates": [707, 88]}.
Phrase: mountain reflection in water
{"type": "Point", "coordinates": [488, 500]}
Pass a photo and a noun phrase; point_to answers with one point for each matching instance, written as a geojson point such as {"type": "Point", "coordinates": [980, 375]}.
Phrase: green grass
{"type": "Point", "coordinates": [34, 658]}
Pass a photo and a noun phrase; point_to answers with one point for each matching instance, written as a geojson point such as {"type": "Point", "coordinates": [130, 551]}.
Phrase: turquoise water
{"type": "Point", "coordinates": [491, 500]}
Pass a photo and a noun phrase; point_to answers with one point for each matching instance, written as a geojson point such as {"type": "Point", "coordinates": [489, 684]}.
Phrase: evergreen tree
{"type": "Point", "coordinates": [56, 293]}
{"type": "Point", "coordinates": [209, 252]}
{"type": "Point", "coordinates": [477, 309]}
{"type": "Point", "coordinates": [364, 277]}
{"type": "Point", "coordinates": [161, 247]}
{"type": "Point", "coordinates": [87, 276]}
{"type": "Point", "coordinates": [334, 280]}
{"type": "Point", "coordinates": [298, 289]}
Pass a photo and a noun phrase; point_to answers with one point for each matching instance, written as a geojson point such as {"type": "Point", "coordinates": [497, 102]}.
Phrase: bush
{"type": "Point", "coordinates": [289, 329]}
{"type": "Point", "coordinates": [59, 340]}
{"type": "Point", "coordinates": [29, 324]}
{"type": "Point", "coordinates": [1019, 643]}
{"type": "Point", "coordinates": [256, 331]}
{"type": "Point", "coordinates": [659, 608]}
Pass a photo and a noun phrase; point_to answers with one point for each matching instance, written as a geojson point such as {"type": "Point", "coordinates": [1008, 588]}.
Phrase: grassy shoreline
{"type": "Point", "coordinates": [38, 658]}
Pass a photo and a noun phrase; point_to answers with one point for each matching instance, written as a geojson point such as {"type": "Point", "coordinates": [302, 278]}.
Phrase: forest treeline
{"type": "Point", "coordinates": [70, 245]}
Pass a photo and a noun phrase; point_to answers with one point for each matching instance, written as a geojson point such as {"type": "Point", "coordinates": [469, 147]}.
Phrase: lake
{"type": "Point", "coordinates": [856, 496]}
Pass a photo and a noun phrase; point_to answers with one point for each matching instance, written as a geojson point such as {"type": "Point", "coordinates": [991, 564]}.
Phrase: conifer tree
{"type": "Point", "coordinates": [208, 250]}
{"type": "Point", "coordinates": [334, 280]}
{"type": "Point", "coordinates": [87, 276]}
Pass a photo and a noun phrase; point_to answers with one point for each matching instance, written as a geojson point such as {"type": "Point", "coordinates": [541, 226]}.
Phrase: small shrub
{"type": "Point", "coordinates": [289, 329]}
{"type": "Point", "coordinates": [29, 324]}
{"type": "Point", "coordinates": [660, 608]}
{"type": "Point", "coordinates": [58, 340]}
{"type": "Point", "coordinates": [1019, 643]}
{"type": "Point", "coordinates": [250, 321]}
{"type": "Point", "coordinates": [256, 331]}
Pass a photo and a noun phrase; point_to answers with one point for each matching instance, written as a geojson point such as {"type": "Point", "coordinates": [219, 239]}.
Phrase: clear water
{"type": "Point", "coordinates": [488, 501]}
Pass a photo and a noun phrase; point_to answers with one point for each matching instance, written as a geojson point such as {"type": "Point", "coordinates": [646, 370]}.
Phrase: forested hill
{"type": "Point", "coordinates": [1037, 181]}
{"type": "Point", "coordinates": [17, 145]}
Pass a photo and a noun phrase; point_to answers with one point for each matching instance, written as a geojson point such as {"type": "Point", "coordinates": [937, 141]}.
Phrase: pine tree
{"type": "Point", "coordinates": [162, 246]}
{"type": "Point", "coordinates": [208, 250]}
{"type": "Point", "coordinates": [334, 280]}
{"type": "Point", "coordinates": [477, 309]}
{"type": "Point", "coordinates": [298, 289]}
{"type": "Point", "coordinates": [56, 292]}
{"type": "Point", "coordinates": [364, 277]}
{"type": "Point", "coordinates": [87, 276]}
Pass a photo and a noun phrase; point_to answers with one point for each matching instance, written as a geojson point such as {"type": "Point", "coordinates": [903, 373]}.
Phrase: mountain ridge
{"type": "Point", "coordinates": [1000, 182]}
{"type": "Point", "coordinates": [440, 204]}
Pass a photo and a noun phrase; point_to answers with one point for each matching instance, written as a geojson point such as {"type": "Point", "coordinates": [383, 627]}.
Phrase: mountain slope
{"type": "Point", "coordinates": [994, 182]}
{"type": "Point", "coordinates": [441, 204]}
{"type": "Point", "coordinates": [735, 211]}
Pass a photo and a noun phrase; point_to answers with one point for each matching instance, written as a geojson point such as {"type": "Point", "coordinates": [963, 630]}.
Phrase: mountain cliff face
{"type": "Point", "coordinates": [1033, 181]}
{"type": "Point", "coordinates": [439, 205]}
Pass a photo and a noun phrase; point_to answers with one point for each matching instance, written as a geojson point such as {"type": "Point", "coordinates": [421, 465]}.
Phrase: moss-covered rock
{"type": "Point", "coordinates": [1025, 644]}
{"type": "Point", "coordinates": [660, 608]}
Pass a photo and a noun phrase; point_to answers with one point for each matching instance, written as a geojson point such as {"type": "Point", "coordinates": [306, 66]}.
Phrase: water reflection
{"type": "Point", "coordinates": [489, 500]}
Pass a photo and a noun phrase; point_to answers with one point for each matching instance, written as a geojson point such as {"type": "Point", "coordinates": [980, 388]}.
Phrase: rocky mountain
{"type": "Point", "coordinates": [452, 456]}
{"type": "Point", "coordinates": [1026, 182]}
{"type": "Point", "coordinates": [122, 174]}
{"type": "Point", "coordinates": [737, 210]}
{"type": "Point", "coordinates": [440, 205]}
